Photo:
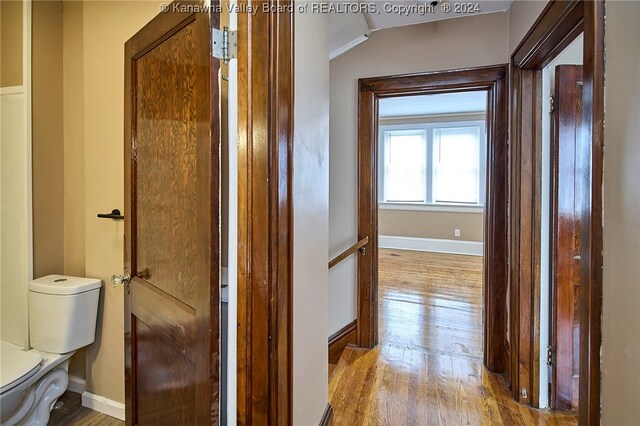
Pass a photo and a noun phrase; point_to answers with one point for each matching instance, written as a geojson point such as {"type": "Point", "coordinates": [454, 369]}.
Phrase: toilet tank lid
{"type": "Point", "coordinates": [63, 284]}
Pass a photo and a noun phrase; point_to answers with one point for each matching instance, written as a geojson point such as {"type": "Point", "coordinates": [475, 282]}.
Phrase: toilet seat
{"type": "Point", "coordinates": [18, 365]}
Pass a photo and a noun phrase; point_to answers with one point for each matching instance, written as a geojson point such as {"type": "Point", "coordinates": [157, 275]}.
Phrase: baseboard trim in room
{"type": "Point", "coordinates": [103, 405]}
{"type": "Point", "coordinates": [470, 248]}
{"type": "Point", "coordinates": [327, 416]}
{"type": "Point", "coordinates": [77, 385]}
{"type": "Point", "coordinates": [340, 339]}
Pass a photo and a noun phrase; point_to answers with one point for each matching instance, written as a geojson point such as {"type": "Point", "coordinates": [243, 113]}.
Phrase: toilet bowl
{"type": "Point", "coordinates": [62, 319]}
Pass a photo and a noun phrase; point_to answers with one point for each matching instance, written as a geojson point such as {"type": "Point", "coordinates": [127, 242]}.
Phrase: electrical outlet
{"type": "Point", "coordinates": [456, 232]}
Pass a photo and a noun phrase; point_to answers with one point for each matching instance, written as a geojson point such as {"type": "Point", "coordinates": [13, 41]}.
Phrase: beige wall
{"type": "Point", "coordinates": [425, 224]}
{"type": "Point", "coordinates": [10, 43]}
{"type": "Point", "coordinates": [522, 15]}
{"type": "Point", "coordinates": [47, 143]}
{"type": "Point", "coordinates": [454, 43]}
{"type": "Point", "coordinates": [81, 63]}
{"type": "Point", "coordinates": [78, 159]}
{"type": "Point", "coordinates": [73, 84]}
{"type": "Point", "coordinates": [57, 212]}
{"type": "Point", "coordinates": [79, 55]}
{"type": "Point", "coordinates": [57, 146]}
{"type": "Point", "coordinates": [15, 169]}
{"type": "Point", "coordinates": [15, 250]}
{"type": "Point", "coordinates": [73, 130]}
{"type": "Point", "coordinates": [310, 218]}
{"type": "Point", "coordinates": [107, 25]}
{"type": "Point", "coordinates": [621, 298]}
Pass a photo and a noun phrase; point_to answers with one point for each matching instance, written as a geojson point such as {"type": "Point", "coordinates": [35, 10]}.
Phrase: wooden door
{"type": "Point", "coordinates": [172, 220]}
{"type": "Point", "coordinates": [567, 200]}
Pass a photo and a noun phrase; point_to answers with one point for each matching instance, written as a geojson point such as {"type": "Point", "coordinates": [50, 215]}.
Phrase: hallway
{"type": "Point", "coordinates": [427, 369]}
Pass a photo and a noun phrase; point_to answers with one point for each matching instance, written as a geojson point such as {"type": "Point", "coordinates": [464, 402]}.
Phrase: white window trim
{"type": "Point", "coordinates": [423, 207]}
{"type": "Point", "coordinates": [428, 127]}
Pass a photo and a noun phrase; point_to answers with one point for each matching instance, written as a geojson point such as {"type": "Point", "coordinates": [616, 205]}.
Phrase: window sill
{"type": "Point", "coordinates": [443, 208]}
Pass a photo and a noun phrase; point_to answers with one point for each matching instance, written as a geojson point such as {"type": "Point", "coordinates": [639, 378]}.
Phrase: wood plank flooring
{"type": "Point", "coordinates": [428, 368]}
{"type": "Point", "coordinates": [431, 301]}
{"type": "Point", "coordinates": [73, 413]}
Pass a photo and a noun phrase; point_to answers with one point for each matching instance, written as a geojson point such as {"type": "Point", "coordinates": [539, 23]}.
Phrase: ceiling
{"type": "Point", "coordinates": [405, 12]}
{"type": "Point", "coordinates": [351, 25]}
{"type": "Point", "coordinates": [447, 103]}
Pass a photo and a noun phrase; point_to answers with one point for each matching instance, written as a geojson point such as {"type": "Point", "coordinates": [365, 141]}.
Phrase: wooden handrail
{"type": "Point", "coordinates": [348, 252]}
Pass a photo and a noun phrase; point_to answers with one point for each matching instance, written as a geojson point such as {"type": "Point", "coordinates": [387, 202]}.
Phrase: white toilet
{"type": "Point", "coordinates": [62, 319]}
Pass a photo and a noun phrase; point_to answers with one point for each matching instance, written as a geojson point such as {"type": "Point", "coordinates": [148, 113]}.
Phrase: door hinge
{"type": "Point", "coordinates": [551, 356]}
{"type": "Point", "coordinates": [225, 44]}
{"type": "Point", "coordinates": [553, 103]}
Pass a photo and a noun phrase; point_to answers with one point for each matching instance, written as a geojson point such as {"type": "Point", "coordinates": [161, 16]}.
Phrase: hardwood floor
{"type": "Point", "coordinates": [431, 301]}
{"type": "Point", "coordinates": [73, 413]}
{"type": "Point", "coordinates": [428, 368]}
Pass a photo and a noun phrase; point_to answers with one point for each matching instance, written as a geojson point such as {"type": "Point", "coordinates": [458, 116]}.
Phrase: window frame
{"type": "Point", "coordinates": [428, 128]}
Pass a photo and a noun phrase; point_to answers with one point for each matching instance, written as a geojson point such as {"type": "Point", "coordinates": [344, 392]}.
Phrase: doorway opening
{"type": "Point", "coordinates": [375, 95]}
{"type": "Point", "coordinates": [560, 24]}
{"type": "Point", "coordinates": [431, 196]}
{"type": "Point", "coordinates": [423, 314]}
{"type": "Point", "coordinates": [560, 257]}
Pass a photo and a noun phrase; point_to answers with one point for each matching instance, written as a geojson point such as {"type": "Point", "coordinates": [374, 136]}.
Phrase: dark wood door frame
{"type": "Point", "coordinates": [559, 24]}
{"type": "Point", "coordinates": [493, 80]}
{"type": "Point", "coordinates": [265, 225]}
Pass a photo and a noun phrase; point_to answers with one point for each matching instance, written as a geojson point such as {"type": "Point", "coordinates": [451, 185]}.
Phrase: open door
{"type": "Point", "coordinates": [172, 220]}
{"type": "Point", "coordinates": [567, 201]}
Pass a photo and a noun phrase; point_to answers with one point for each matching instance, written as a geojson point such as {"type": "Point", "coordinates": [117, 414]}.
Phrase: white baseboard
{"type": "Point", "coordinates": [77, 385]}
{"type": "Point", "coordinates": [470, 248]}
{"type": "Point", "coordinates": [103, 405]}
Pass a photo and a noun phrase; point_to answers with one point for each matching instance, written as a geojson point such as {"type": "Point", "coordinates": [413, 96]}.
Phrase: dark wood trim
{"type": "Point", "coordinates": [265, 226]}
{"type": "Point", "coordinates": [457, 80]}
{"type": "Point", "coordinates": [525, 231]}
{"type": "Point", "coordinates": [557, 26]}
{"type": "Point", "coordinates": [591, 213]}
{"type": "Point", "coordinates": [327, 416]}
{"type": "Point", "coordinates": [493, 79]}
{"type": "Point", "coordinates": [340, 339]}
{"type": "Point", "coordinates": [495, 228]}
{"type": "Point", "coordinates": [348, 252]}
{"type": "Point", "coordinates": [367, 265]}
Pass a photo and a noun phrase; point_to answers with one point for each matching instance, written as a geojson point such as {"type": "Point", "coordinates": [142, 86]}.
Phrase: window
{"type": "Point", "coordinates": [456, 165]}
{"type": "Point", "coordinates": [433, 163]}
{"type": "Point", "coordinates": [405, 166]}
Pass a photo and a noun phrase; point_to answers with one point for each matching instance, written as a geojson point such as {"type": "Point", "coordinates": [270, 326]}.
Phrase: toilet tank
{"type": "Point", "coordinates": [62, 312]}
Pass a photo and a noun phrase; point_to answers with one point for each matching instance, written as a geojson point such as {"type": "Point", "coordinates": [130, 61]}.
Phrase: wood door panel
{"type": "Point", "coordinates": [167, 316]}
{"type": "Point", "coordinates": [159, 362]}
{"type": "Point", "coordinates": [566, 270]}
{"type": "Point", "coordinates": [172, 232]}
{"type": "Point", "coordinates": [167, 196]}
